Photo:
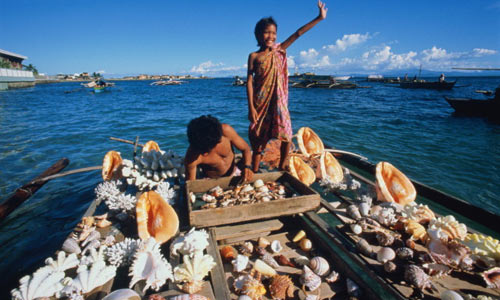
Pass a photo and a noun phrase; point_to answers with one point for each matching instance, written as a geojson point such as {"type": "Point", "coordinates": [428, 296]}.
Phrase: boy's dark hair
{"type": "Point", "coordinates": [261, 26]}
{"type": "Point", "coordinates": [204, 133]}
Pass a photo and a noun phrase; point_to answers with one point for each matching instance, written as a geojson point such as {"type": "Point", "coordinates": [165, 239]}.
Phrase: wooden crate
{"type": "Point", "coordinates": [307, 199]}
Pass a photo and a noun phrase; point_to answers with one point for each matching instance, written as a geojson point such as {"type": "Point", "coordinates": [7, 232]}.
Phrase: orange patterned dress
{"type": "Point", "coordinates": [270, 99]}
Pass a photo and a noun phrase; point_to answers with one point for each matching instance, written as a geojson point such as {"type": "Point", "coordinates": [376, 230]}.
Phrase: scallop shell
{"type": "Point", "coordinates": [110, 164]}
{"type": "Point", "coordinates": [193, 270]}
{"type": "Point", "coordinates": [309, 142]}
{"type": "Point", "coordinates": [300, 170]}
{"type": "Point", "coordinates": [420, 213]}
{"type": "Point", "coordinates": [329, 168]}
{"type": "Point", "coordinates": [240, 263]}
{"type": "Point", "coordinates": [228, 253]}
{"type": "Point", "coordinates": [385, 254]}
{"type": "Point", "coordinates": [276, 246]}
{"type": "Point", "coordinates": [392, 185]}
{"type": "Point", "coordinates": [450, 226]}
{"type": "Point", "coordinates": [191, 242]}
{"type": "Point", "coordinates": [300, 235]}
{"type": "Point", "coordinates": [150, 145]}
{"type": "Point", "coordinates": [319, 265]}
{"type": "Point", "coordinates": [155, 218]}
{"type": "Point", "coordinates": [305, 244]}
{"type": "Point", "coordinates": [281, 287]}
{"type": "Point", "coordinates": [310, 279]}
{"type": "Point", "coordinates": [123, 294]}
{"type": "Point", "coordinates": [492, 278]}
{"type": "Point", "coordinates": [263, 268]}
{"type": "Point", "coordinates": [417, 231]}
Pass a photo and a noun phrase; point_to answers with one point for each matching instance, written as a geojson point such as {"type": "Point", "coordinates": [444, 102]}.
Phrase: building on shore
{"type": "Point", "coordinates": [11, 73]}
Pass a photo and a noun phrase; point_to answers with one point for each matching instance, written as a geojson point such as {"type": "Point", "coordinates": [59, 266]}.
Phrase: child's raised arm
{"type": "Point", "coordinates": [305, 28]}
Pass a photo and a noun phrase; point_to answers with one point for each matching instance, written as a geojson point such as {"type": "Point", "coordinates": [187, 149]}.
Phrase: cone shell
{"type": "Point", "coordinates": [319, 265]}
{"type": "Point", "coordinates": [300, 235]}
{"type": "Point", "coordinates": [151, 145]}
{"type": "Point", "coordinates": [392, 185]}
{"type": "Point", "coordinates": [228, 253]}
{"type": "Point", "coordinates": [156, 218]}
{"type": "Point", "coordinates": [110, 164]}
{"type": "Point", "coordinates": [302, 171]}
{"type": "Point", "coordinates": [309, 142]}
{"type": "Point", "coordinates": [263, 268]}
{"type": "Point", "coordinates": [329, 168]}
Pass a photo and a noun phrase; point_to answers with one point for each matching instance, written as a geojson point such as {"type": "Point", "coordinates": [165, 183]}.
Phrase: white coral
{"type": "Point", "coordinates": [122, 253]}
{"type": "Point", "coordinates": [191, 242]}
{"type": "Point", "coordinates": [166, 192]}
{"type": "Point", "coordinates": [329, 186]}
{"type": "Point", "coordinates": [107, 189]}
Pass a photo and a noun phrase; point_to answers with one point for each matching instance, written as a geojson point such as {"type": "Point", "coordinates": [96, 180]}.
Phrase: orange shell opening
{"type": "Point", "coordinates": [151, 145]}
{"type": "Point", "coordinates": [155, 217]}
{"type": "Point", "coordinates": [301, 170]}
{"type": "Point", "coordinates": [309, 142]}
{"type": "Point", "coordinates": [393, 185]}
{"type": "Point", "coordinates": [111, 162]}
{"type": "Point", "coordinates": [329, 167]}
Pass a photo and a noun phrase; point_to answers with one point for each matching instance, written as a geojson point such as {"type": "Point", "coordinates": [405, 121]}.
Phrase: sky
{"type": "Point", "coordinates": [214, 38]}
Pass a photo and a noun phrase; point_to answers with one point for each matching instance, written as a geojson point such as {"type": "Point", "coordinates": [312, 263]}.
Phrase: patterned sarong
{"type": "Point", "coordinates": [270, 100]}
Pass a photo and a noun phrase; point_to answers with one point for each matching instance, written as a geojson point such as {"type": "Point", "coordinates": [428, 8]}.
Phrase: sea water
{"type": "Point", "coordinates": [413, 129]}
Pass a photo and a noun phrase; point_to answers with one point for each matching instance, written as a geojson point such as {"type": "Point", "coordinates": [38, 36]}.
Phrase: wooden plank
{"type": "Point", "coordinates": [217, 275]}
{"type": "Point", "coordinates": [243, 238]}
{"type": "Point", "coordinates": [232, 231]}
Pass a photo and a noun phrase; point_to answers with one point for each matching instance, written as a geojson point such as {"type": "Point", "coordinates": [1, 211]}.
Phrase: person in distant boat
{"type": "Point", "coordinates": [406, 77]}
{"type": "Point", "coordinates": [267, 88]}
{"type": "Point", "coordinates": [415, 78]}
{"type": "Point", "coordinates": [441, 78]}
{"type": "Point", "coordinates": [211, 148]}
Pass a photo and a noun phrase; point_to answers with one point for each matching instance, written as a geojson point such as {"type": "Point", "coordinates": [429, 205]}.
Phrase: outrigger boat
{"type": "Point", "coordinates": [328, 82]}
{"type": "Point", "coordinates": [170, 81]}
{"type": "Point", "coordinates": [475, 107]}
{"type": "Point", "coordinates": [385, 252]}
{"type": "Point", "coordinates": [422, 84]}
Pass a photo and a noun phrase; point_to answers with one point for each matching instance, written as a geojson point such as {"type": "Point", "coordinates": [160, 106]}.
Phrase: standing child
{"type": "Point", "coordinates": [267, 88]}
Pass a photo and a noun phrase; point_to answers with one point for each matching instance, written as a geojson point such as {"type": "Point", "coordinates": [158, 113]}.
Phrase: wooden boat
{"type": "Point", "coordinates": [167, 82]}
{"type": "Point", "coordinates": [475, 107]}
{"type": "Point", "coordinates": [327, 82]}
{"type": "Point", "coordinates": [433, 85]}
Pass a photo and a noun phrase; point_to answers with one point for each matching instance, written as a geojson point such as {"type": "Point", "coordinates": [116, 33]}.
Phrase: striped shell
{"type": "Point", "coordinates": [392, 185]}
{"type": "Point", "coordinates": [329, 168]}
{"type": "Point", "coordinates": [300, 170]}
{"type": "Point", "coordinates": [309, 142]}
{"type": "Point", "coordinates": [155, 218]}
{"type": "Point", "coordinates": [110, 164]}
{"type": "Point", "coordinates": [151, 145]}
{"type": "Point", "coordinates": [319, 265]}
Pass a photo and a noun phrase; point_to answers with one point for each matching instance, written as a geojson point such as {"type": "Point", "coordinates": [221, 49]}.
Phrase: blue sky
{"type": "Point", "coordinates": [215, 37]}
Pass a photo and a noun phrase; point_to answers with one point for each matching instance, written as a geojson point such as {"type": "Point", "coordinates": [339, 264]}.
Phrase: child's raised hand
{"type": "Point", "coordinates": [322, 10]}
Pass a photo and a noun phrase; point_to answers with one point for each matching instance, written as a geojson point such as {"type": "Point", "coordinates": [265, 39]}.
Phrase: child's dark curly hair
{"type": "Point", "coordinates": [261, 26]}
{"type": "Point", "coordinates": [204, 133]}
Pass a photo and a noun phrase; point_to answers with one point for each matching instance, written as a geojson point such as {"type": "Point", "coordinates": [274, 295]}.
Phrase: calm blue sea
{"type": "Point", "coordinates": [413, 129]}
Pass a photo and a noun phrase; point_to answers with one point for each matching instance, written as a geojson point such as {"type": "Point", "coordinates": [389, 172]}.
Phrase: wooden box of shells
{"type": "Point", "coordinates": [213, 202]}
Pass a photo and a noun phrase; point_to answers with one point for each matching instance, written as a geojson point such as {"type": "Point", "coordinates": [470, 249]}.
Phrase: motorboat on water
{"type": "Point", "coordinates": [170, 81]}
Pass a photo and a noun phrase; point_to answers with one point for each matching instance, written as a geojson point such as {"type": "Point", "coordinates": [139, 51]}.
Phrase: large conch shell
{"type": "Point", "coordinates": [151, 145]}
{"type": "Point", "coordinates": [309, 142]}
{"type": "Point", "coordinates": [329, 168]}
{"type": "Point", "coordinates": [155, 218]}
{"type": "Point", "coordinates": [110, 164]}
{"type": "Point", "coordinates": [392, 185]}
{"type": "Point", "coordinates": [301, 170]}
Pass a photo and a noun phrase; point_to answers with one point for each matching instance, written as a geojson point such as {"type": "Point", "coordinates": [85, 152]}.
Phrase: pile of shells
{"type": "Point", "coordinates": [242, 194]}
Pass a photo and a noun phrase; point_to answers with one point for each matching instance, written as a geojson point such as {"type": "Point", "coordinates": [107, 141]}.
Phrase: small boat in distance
{"type": "Point", "coordinates": [489, 108]}
{"type": "Point", "coordinates": [343, 78]}
{"type": "Point", "coordinates": [238, 81]}
{"type": "Point", "coordinates": [170, 81]}
{"type": "Point", "coordinates": [323, 81]}
{"type": "Point", "coordinates": [422, 84]}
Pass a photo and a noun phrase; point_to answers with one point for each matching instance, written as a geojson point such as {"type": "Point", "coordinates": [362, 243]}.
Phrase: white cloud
{"type": "Point", "coordinates": [290, 61]}
{"type": "Point", "coordinates": [478, 52]}
{"type": "Point", "coordinates": [348, 40]}
{"type": "Point", "coordinates": [215, 68]}
{"type": "Point", "coordinates": [101, 72]}
{"type": "Point", "coordinates": [312, 59]}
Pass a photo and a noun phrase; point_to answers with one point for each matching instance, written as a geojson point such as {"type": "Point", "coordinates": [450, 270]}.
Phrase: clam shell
{"type": "Point", "coordinates": [305, 245]}
{"type": "Point", "coordinates": [319, 265]}
{"type": "Point", "coordinates": [276, 246]}
{"type": "Point", "coordinates": [385, 254]}
{"type": "Point", "coordinates": [300, 235]}
{"type": "Point", "coordinates": [392, 185]}
{"type": "Point", "coordinates": [309, 142]}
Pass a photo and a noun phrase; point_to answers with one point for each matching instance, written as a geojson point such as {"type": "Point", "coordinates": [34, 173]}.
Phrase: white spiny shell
{"type": "Point", "coordinates": [191, 242]}
{"type": "Point", "coordinates": [276, 246]}
{"type": "Point", "coordinates": [309, 279]}
{"type": "Point", "coordinates": [63, 262]}
{"type": "Point", "coordinates": [122, 253]}
{"type": "Point", "coordinates": [97, 275]}
{"type": "Point", "coordinates": [44, 283]}
{"type": "Point", "coordinates": [194, 268]}
{"type": "Point", "coordinates": [149, 265]}
{"type": "Point", "coordinates": [240, 263]}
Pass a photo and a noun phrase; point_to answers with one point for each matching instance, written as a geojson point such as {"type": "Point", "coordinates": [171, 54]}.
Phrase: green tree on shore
{"type": "Point", "coordinates": [32, 68]}
{"type": "Point", "coordinates": [5, 64]}
{"type": "Point", "coordinates": [96, 75]}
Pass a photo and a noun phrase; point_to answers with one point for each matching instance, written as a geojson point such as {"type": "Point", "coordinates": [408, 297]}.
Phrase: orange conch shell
{"type": "Point", "coordinates": [156, 218]}
{"type": "Point", "coordinates": [330, 168]}
{"type": "Point", "coordinates": [301, 170]}
{"type": "Point", "coordinates": [151, 145]}
{"type": "Point", "coordinates": [309, 142]}
{"type": "Point", "coordinates": [392, 185]}
{"type": "Point", "coordinates": [111, 162]}
{"type": "Point", "coordinates": [417, 231]}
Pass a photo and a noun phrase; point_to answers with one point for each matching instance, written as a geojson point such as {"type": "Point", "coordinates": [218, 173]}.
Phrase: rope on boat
{"type": "Point", "coordinates": [347, 153]}
{"type": "Point", "coordinates": [87, 169]}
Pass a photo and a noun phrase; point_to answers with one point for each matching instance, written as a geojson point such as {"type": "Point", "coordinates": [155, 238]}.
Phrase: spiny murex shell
{"type": "Point", "coordinates": [319, 265]}
{"type": "Point", "coordinates": [149, 265]}
{"type": "Point", "coordinates": [329, 168]}
{"type": "Point", "coordinates": [194, 269]}
{"type": "Point", "coordinates": [155, 218]}
{"type": "Point", "coordinates": [309, 142]}
{"type": "Point", "coordinates": [309, 279]}
{"type": "Point", "coordinates": [300, 170]}
{"type": "Point", "coordinates": [191, 242]}
{"type": "Point", "coordinates": [392, 185]}
{"type": "Point", "coordinates": [281, 287]}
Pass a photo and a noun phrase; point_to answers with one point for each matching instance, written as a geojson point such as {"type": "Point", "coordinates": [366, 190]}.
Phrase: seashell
{"type": "Point", "coordinates": [353, 212]}
{"type": "Point", "coordinates": [417, 231]}
{"type": "Point", "coordinates": [192, 286]}
{"type": "Point", "coordinates": [244, 297]}
{"type": "Point", "coordinates": [301, 260]}
{"type": "Point", "coordinates": [94, 235]}
{"type": "Point", "coordinates": [263, 268]}
{"type": "Point", "coordinates": [193, 270]}
{"type": "Point", "coordinates": [253, 288]}
{"type": "Point", "coordinates": [110, 165]}
{"type": "Point", "coordinates": [276, 246]}
{"type": "Point", "coordinates": [389, 267]}
{"type": "Point", "coordinates": [94, 275]}
{"type": "Point", "coordinates": [450, 295]}
{"type": "Point", "coordinates": [258, 183]}
{"type": "Point", "coordinates": [300, 170]}
{"type": "Point", "coordinates": [149, 265]}
{"type": "Point", "coordinates": [228, 253]}
{"type": "Point", "coordinates": [404, 253]}
{"type": "Point", "coordinates": [436, 270]}
{"type": "Point", "coordinates": [63, 262]}
{"type": "Point", "coordinates": [300, 235]}
{"type": "Point", "coordinates": [334, 276]}
{"type": "Point", "coordinates": [86, 222]}
{"type": "Point", "coordinates": [246, 248]}
{"type": "Point", "coordinates": [43, 283]}
{"type": "Point", "coordinates": [385, 254]}
{"type": "Point", "coordinates": [410, 243]}
{"type": "Point", "coordinates": [483, 262]}
{"type": "Point", "coordinates": [155, 218]}
{"type": "Point", "coordinates": [386, 216]}
{"type": "Point", "coordinates": [329, 168]}
{"type": "Point", "coordinates": [70, 245]}
{"type": "Point", "coordinates": [268, 259]}
{"type": "Point", "coordinates": [384, 239]}
{"type": "Point", "coordinates": [415, 276]}
{"type": "Point", "coordinates": [103, 223]}
{"type": "Point", "coordinates": [364, 209]}
{"type": "Point", "coordinates": [263, 242]}
{"type": "Point", "coordinates": [305, 244]}
{"type": "Point", "coordinates": [150, 145]}
{"type": "Point", "coordinates": [364, 247]}
{"type": "Point", "coordinates": [284, 261]}
{"type": "Point", "coordinates": [392, 185]}
{"type": "Point", "coordinates": [240, 263]}
{"type": "Point", "coordinates": [188, 297]}
{"type": "Point", "coordinates": [191, 242]}
{"type": "Point", "coordinates": [492, 278]}
{"type": "Point", "coordinates": [319, 265]}
{"type": "Point", "coordinates": [281, 287]}
{"type": "Point", "coordinates": [483, 245]}
{"type": "Point", "coordinates": [310, 279]}
{"type": "Point", "coordinates": [353, 289]}
{"type": "Point", "coordinates": [123, 294]}
{"type": "Point", "coordinates": [450, 226]}
{"type": "Point", "coordinates": [356, 229]}
{"type": "Point", "coordinates": [309, 142]}
{"type": "Point", "coordinates": [246, 188]}
{"type": "Point", "coordinates": [94, 244]}
{"type": "Point", "coordinates": [420, 213]}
